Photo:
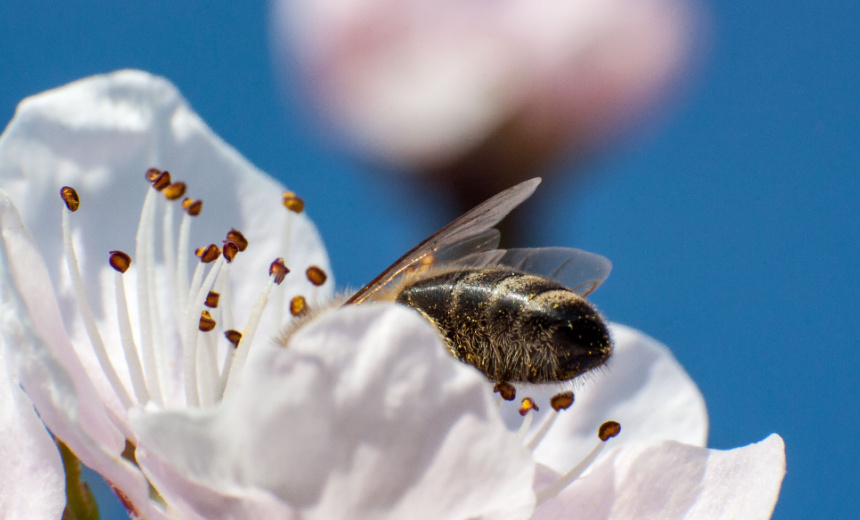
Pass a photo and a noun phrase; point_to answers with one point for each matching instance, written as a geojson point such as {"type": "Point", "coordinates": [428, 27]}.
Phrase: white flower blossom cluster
{"type": "Point", "coordinates": [362, 414]}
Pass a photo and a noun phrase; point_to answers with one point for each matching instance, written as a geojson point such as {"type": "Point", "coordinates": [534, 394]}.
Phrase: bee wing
{"type": "Point", "coordinates": [467, 235]}
{"type": "Point", "coordinates": [580, 271]}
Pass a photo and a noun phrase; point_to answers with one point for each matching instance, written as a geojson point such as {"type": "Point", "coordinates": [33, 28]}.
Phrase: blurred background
{"type": "Point", "coordinates": [721, 176]}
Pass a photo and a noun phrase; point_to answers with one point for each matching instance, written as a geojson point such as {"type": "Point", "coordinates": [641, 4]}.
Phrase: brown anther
{"type": "Point", "coordinates": [506, 390]}
{"type": "Point", "coordinates": [236, 236]}
{"type": "Point", "coordinates": [561, 400]}
{"type": "Point", "coordinates": [208, 254]}
{"type": "Point", "coordinates": [298, 305]}
{"type": "Point", "coordinates": [233, 336]}
{"type": "Point", "coordinates": [162, 181]}
{"type": "Point", "coordinates": [174, 191]}
{"type": "Point", "coordinates": [608, 430]}
{"type": "Point", "coordinates": [206, 322]}
{"type": "Point", "coordinates": [279, 270]}
{"type": "Point", "coordinates": [192, 206]}
{"type": "Point", "coordinates": [293, 202]}
{"type": "Point", "coordinates": [70, 197]}
{"type": "Point", "coordinates": [152, 174]}
{"type": "Point", "coordinates": [212, 299]}
{"type": "Point", "coordinates": [119, 261]}
{"type": "Point", "coordinates": [230, 250]}
{"type": "Point", "coordinates": [316, 275]}
{"type": "Point", "coordinates": [528, 404]}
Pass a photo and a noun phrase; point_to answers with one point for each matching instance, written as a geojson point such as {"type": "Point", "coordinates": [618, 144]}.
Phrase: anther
{"type": "Point", "coordinates": [161, 181]}
{"type": "Point", "coordinates": [236, 236]}
{"type": "Point", "coordinates": [119, 261]}
{"type": "Point", "coordinates": [528, 404]}
{"type": "Point", "coordinates": [206, 322]}
{"type": "Point", "coordinates": [279, 270]}
{"type": "Point", "coordinates": [192, 206]}
{"type": "Point", "coordinates": [233, 336]}
{"type": "Point", "coordinates": [608, 430]}
{"type": "Point", "coordinates": [561, 400]}
{"type": "Point", "coordinates": [230, 250]}
{"type": "Point", "coordinates": [293, 202]}
{"type": "Point", "coordinates": [298, 306]}
{"type": "Point", "coordinates": [152, 174]}
{"type": "Point", "coordinates": [212, 299]}
{"type": "Point", "coordinates": [174, 191]}
{"type": "Point", "coordinates": [506, 390]}
{"type": "Point", "coordinates": [316, 275]}
{"type": "Point", "coordinates": [208, 254]}
{"type": "Point", "coordinates": [70, 197]}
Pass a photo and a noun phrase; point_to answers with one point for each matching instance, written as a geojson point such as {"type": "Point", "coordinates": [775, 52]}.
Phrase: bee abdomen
{"type": "Point", "coordinates": [511, 326]}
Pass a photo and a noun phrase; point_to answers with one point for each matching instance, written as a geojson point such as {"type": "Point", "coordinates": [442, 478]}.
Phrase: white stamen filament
{"type": "Point", "coordinates": [542, 430]}
{"type": "Point", "coordinates": [241, 353]}
{"type": "Point", "coordinates": [168, 246]}
{"type": "Point", "coordinates": [131, 356]}
{"type": "Point", "coordinates": [527, 423]}
{"type": "Point", "coordinates": [89, 319]}
{"type": "Point", "coordinates": [182, 262]}
{"type": "Point", "coordinates": [150, 363]}
{"type": "Point", "coordinates": [286, 235]}
{"type": "Point", "coordinates": [207, 372]}
{"type": "Point", "coordinates": [565, 480]}
{"type": "Point", "coordinates": [192, 330]}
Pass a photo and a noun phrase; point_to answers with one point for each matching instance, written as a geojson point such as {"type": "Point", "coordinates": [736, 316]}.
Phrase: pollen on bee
{"type": "Point", "coordinates": [608, 430]}
{"type": "Point", "coordinates": [279, 270]}
{"type": "Point", "coordinates": [206, 322]}
{"type": "Point", "coordinates": [298, 306]}
{"type": "Point", "coordinates": [236, 236]}
{"type": "Point", "coordinates": [208, 254]}
{"type": "Point", "coordinates": [212, 299]}
{"type": "Point", "coordinates": [293, 202]}
{"type": "Point", "coordinates": [174, 191]}
{"type": "Point", "coordinates": [561, 400]}
{"type": "Point", "coordinates": [233, 336]}
{"type": "Point", "coordinates": [316, 275]}
{"type": "Point", "coordinates": [70, 197]}
{"type": "Point", "coordinates": [528, 404]}
{"type": "Point", "coordinates": [119, 261]}
{"type": "Point", "coordinates": [506, 390]}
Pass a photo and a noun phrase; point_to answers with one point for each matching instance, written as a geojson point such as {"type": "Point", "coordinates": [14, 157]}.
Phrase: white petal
{"type": "Point", "coordinates": [669, 480]}
{"type": "Point", "coordinates": [100, 135]}
{"type": "Point", "coordinates": [32, 483]}
{"type": "Point", "coordinates": [642, 387]}
{"type": "Point", "coordinates": [363, 414]}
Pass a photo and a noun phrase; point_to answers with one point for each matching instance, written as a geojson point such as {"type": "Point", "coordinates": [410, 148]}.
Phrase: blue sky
{"type": "Point", "coordinates": [732, 223]}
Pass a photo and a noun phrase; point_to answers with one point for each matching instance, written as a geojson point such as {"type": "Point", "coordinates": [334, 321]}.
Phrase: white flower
{"type": "Point", "coordinates": [423, 83]}
{"type": "Point", "coordinates": [362, 415]}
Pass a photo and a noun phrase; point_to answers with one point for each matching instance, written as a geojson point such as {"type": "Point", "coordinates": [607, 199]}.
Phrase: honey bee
{"type": "Point", "coordinates": [517, 315]}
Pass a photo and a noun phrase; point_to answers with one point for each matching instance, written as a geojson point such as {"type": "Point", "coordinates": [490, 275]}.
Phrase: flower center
{"type": "Point", "coordinates": [202, 306]}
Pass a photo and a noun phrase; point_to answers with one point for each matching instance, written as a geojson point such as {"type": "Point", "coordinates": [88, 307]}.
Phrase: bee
{"type": "Point", "coordinates": [517, 315]}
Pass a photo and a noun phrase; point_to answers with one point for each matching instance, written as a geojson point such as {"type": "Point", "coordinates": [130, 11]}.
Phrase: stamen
{"type": "Point", "coordinates": [316, 275]}
{"type": "Point", "coordinates": [607, 431]}
{"type": "Point", "coordinates": [236, 236]}
{"type": "Point", "coordinates": [145, 271]}
{"type": "Point", "coordinates": [206, 322]}
{"type": "Point", "coordinates": [190, 342]}
{"type": "Point", "coordinates": [298, 306]}
{"type": "Point", "coordinates": [175, 191]}
{"type": "Point", "coordinates": [192, 207]}
{"type": "Point", "coordinates": [83, 302]}
{"type": "Point", "coordinates": [161, 181]}
{"type": "Point", "coordinates": [121, 262]}
{"type": "Point", "coordinates": [212, 299]}
{"type": "Point", "coordinates": [528, 408]}
{"type": "Point", "coordinates": [560, 401]}
{"type": "Point", "coordinates": [182, 247]}
{"type": "Point", "coordinates": [230, 250]}
{"type": "Point", "coordinates": [277, 272]}
{"type": "Point", "coordinates": [294, 205]}
{"type": "Point", "coordinates": [233, 336]}
{"type": "Point", "coordinates": [70, 197]}
{"type": "Point", "coordinates": [208, 254]}
{"type": "Point", "coordinates": [293, 202]}
{"type": "Point", "coordinates": [152, 174]}
{"type": "Point", "coordinates": [505, 390]}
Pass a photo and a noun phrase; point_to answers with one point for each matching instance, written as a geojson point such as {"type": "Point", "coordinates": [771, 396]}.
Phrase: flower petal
{"type": "Point", "coordinates": [364, 413]}
{"type": "Point", "coordinates": [670, 480]}
{"type": "Point", "coordinates": [642, 387]}
{"type": "Point", "coordinates": [32, 483]}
